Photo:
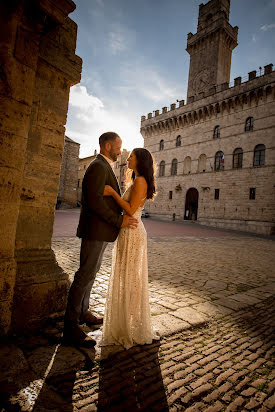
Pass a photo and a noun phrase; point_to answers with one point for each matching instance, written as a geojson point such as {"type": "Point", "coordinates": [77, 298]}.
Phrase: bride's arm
{"type": "Point", "coordinates": [138, 194]}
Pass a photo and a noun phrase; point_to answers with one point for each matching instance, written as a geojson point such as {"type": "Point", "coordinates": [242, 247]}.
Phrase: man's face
{"type": "Point", "coordinates": [115, 148]}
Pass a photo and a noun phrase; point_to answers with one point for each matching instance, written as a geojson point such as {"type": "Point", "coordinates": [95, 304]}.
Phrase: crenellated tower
{"type": "Point", "coordinates": [210, 48]}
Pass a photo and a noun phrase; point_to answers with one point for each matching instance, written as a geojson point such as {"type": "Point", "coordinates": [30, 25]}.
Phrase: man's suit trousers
{"type": "Point", "coordinates": [91, 255]}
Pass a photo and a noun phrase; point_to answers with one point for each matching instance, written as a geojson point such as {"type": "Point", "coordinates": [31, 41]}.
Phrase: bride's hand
{"type": "Point", "coordinates": [108, 191]}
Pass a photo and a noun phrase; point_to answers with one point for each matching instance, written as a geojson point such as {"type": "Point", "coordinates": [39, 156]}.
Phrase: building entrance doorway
{"type": "Point", "coordinates": [191, 204]}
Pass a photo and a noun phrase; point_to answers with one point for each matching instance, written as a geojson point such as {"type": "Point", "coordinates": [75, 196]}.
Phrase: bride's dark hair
{"type": "Point", "coordinates": [145, 168]}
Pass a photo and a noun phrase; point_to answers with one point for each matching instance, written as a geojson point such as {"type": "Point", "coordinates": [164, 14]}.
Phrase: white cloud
{"type": "Point", "coordinates": [90, 118]}
{"type": "Point", "coordinates": [267, 27]}
{"type": "Point", "coordinates": [88, 105]}
{"type": "Point", "coordinates": [138, 89]}
{"type": "Point", "coordinates": [254, 39]}
{"type": "Point", "coordinates": [140, 86]}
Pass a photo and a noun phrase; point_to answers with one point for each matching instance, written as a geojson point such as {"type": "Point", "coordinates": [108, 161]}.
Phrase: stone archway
{"type": "Point", "coordinates": [191, 204]}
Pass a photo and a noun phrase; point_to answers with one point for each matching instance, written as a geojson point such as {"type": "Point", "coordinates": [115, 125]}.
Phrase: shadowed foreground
{"type": "Point", "coordinates": [212, 300]}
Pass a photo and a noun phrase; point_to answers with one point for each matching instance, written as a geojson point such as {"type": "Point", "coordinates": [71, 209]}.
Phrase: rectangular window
{"type": "Point", "coordinates": [252, 193]}
{"type": "Point", "coordinates": [78, 183]}
{"type": "Point", "coordinates": [217, 194]}
{"type": "Point", "coordinates": [170, 194]}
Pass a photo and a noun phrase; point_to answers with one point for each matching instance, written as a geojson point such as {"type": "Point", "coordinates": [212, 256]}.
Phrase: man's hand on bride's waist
{"type": "Point", "coordinates": [129, 221]}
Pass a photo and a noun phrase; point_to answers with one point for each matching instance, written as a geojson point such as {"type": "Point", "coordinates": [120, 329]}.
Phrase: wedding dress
{"type": "Point", "coordinates": [127, 318]}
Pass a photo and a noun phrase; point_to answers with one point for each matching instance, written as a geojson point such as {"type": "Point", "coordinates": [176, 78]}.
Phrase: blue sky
{"type": "Point", "coordinates": [134, 60]}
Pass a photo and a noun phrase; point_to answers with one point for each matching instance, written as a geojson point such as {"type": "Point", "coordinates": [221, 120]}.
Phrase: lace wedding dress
{"type": "Point", "coordinates": [127, 319]}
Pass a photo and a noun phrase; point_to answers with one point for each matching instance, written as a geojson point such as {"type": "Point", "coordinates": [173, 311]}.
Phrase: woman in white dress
{"type": "Point", "coordinates": [127, 318]}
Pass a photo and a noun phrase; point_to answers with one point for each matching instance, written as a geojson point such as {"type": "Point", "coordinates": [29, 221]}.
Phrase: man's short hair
{"type": "Point", "coordinates": [107, 137]}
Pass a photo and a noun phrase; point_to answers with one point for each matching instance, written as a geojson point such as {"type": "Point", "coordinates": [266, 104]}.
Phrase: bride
{"type": "Point", "coordinates": [127, 319]}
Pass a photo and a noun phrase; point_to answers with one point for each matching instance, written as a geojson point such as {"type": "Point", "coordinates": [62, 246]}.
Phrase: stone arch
{"type": "Point", "coordinates": [259, 155]}
{"type": "Point", "coordinates": [187, 165]}
{"type": "Point", "coordinates": [162, 168]}
{"type": "Point", "coordinates": [202, 163]}
{"type": "Point", "coordinates": [174, 167]}
{"type": "Point", "coordinates": [178, 140]}
{"type": "Point", "coordinates": [191, 204]}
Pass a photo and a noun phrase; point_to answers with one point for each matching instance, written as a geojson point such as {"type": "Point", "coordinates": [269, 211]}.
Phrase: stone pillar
{"type": "Point", "coordinates": [41, 286]}
{"type": "Point", "coordinates": [37, 67]}
{"type": "Point", "coordinates": [19, 42]}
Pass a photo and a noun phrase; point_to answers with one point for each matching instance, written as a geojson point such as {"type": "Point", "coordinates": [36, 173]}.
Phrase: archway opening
{"type": "Point", "coordinates": [191, 204]}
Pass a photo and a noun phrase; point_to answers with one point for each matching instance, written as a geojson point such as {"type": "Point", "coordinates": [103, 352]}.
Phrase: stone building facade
{"type": "Point", "coordinates": [120, 168]}
{"type": "Point", "coordinates": [38, 67]}
{"type": "Point", "coordinates": [67, 192]}
{"type": "Point", "coordinates": [215, 154]}
{"type": "Point", "coordinates": [82, 166]}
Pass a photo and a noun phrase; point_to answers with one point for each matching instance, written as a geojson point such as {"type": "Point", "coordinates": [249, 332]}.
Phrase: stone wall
{"type": "Point", "coordinates": [82, 166]}
{"type": "Point", "coordinates": [67, 192]}
{"type": "Point", "coordinates": [195, 124]}
{"type": "Point", "coordinates": [38, 66]}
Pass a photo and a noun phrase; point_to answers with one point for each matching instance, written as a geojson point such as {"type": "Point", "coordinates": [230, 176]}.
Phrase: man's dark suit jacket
{"type": "Point", "coordinates": [100, 217]}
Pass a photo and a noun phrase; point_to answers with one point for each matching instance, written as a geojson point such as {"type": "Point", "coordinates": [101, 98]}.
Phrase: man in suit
{"type": "Point", "coordinates": [99, 223]}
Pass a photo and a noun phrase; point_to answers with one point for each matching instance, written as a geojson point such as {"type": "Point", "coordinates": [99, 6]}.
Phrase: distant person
{"type": "Point", "coordinates": [127, 317]}
{"type": "Point", "coordinates": [99, 223]}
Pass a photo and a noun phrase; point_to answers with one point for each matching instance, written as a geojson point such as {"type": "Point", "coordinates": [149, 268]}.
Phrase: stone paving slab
{"type": "Point", "coordinates": [190, 315]}
{"type": "Point", "coordinates": [166, 324]}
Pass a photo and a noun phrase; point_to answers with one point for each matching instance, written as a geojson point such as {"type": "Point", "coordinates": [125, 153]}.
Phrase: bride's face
{"type": "Point", "coordinates": [132, 161]}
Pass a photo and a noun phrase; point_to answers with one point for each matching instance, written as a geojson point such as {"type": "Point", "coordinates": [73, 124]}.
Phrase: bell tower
{"type": "Point", "coordinates": [210, 48]}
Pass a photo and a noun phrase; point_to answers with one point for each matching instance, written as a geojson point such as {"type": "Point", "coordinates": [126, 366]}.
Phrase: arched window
{"type": "Point", "coordinates": [161, 145]}
{"type": "Point", "coordinates": [237, 158]}
{"type": "Point", "coordinates": [249, 123]}
{"type": "Point", "coordinates": [202, 163]}
{"type": "Point", "coordinates": [178, 141]}
{"type": "Point", "coordinates": [162, 168]}
{"type": "Point", "coordinates": [219, 161]}
{"type": "Point", "coordinates": [187, 165]}
{"type": "Point", "coordinates": [259, 155]}
{"type": "Point", "coordinates": [174, 167]}
{"type": "Point", "coordinates": [217, 132]}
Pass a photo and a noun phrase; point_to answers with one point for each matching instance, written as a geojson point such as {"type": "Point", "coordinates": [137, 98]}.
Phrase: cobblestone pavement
{"type": "Point", "coordinates": [212, 300]}
{"type": "Point", "coordinates": [191, 280]}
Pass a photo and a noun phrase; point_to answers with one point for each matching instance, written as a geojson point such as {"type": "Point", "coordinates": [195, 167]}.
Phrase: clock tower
{"type": "Point", "coordinates": [210, 48]}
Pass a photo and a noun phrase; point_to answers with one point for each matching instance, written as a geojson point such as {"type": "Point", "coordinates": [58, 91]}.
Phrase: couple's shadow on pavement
{"type": "Point", "coordinates": [131, 381]}
{"type": "Point", "coordinates": [46, 379]}
{"type": "Point", "coordinates": [58, 365]}
{"type": "Point", "coordinates": [57, 377]}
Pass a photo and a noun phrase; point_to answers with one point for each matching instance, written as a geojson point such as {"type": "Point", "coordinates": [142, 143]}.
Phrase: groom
{"type": "Point", "coordinates": [99, 223]}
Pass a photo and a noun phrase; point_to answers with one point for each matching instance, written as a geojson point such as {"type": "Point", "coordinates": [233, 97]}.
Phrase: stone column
{"type": "Point", "coordinates": [41, 286]}
{"type": "Point", "coordinates": [19, 43]}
